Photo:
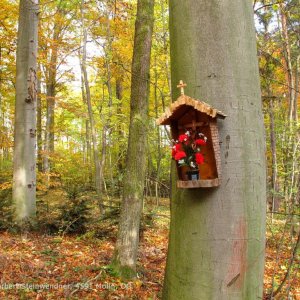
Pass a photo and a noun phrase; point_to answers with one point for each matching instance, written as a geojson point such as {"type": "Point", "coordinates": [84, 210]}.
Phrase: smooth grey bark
{"type": "Point", "coordinates": [125, 255]}
{"type": "Point", "coordinates": [39, 125]}
{"type": "Point", "coordinates": [106, 130]}
{"type": "Point", "coordinates": [24, 173]}
{"type": "Point", "coordinates": [98, 178]}
{"type": "Point", "coordinates": [217, 235]}
{"type": "Point", "coordinates": [87, 142]}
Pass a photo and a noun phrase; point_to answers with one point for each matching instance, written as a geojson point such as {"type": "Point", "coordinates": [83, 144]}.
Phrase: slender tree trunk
{"type": "Point", "coordinates": [166, 49]}
{"type": "Point", "coordinates": [292, 114]}
{"type": "Point", "coordinates": [39, 125]}
{"type": "Point", "coordinates": [59, 28]}
{"type": "Point", "coordinates": [87, 141]}
{"type": "Point", "coordinates": [217, 235]}
{"type": "Point", "coordinates": [50, 98]}
{"type": "Point", "coordinates": [134, 177]}
{"type": "Point", "coordinates": [24, 175]}
{"type": "Point", "coordinates": [275, 200]}
{"type": "Point", "coordinates": [119, 96]}
{"type": "Point", "coordinates": [158, 158]}
{"type": "Point", "coordinates": [268, 73]}
{"type": "Point", "coordinates": [88, 148]}
{"type": "Point", "coordinates": [106, 124]}
{"type": "Point", "coordinates": [50, 116]}
{"type": "Point", "coordinates": [49, 133]}
{"type": "Point", "coordinates": [288, 63]}
{"type": "Point", "coordinates": [103, 149]}
{"type": "Point", "coordinates": [91, 117]}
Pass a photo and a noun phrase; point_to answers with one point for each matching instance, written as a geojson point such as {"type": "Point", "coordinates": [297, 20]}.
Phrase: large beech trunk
{"type": "Point", "coordinates": [134, 177]}
{"type": "Point", "coordinates": [217, 235]}
{"type": "Point", "coordinates": [24, 176]}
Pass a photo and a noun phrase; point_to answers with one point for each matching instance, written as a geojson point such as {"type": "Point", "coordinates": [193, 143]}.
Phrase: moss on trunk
{"type": "Point", "coordinates": [134, 177]}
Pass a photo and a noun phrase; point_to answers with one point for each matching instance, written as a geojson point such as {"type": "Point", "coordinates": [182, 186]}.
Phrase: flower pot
{"type": "Point", "coordinates": [193, 175]}
{"type": "Point", "coordinates": [183, 173]}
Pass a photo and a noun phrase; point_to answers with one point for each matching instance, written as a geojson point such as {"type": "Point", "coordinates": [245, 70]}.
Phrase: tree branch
{"type": "Point", "coordinates": [266, 5]}
{"type": "Point", "coordinates": [294, 255]}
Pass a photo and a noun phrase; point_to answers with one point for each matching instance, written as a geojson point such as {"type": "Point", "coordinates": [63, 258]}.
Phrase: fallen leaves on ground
{"type": "Point", "coordinates": [50, 267]}
{"type": "Point", "coordinates": [35, 266]}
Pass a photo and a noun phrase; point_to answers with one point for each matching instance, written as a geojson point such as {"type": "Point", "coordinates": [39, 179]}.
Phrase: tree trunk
{"type": "Point", "coordinates": [166, 49]}
{"type": "Point", "coordinates": [88, 148]}
{"type": "Point", "coordinates": [120, 164]}
{"type": "Point", "coordinates": [24, 176]}
{"type": "Point", "coordinates": [91, 116]}
{"type": "Point", "coordinates": [50, 97]}
{"type": "Point", "coordinates": [159, 155]}
{"type": "Point", "coordinates": [217, 235]}
{"type": "Point", "coordinates": [106, 130]}
{"type": "Point", "coordinates": [288, 64]}
{"type": "Point", "coordinates": [134, 177]}
{"type": "Point", "coordinates": [119, 97]}
{"type": "Point", "coordinates": [87, 141]}
{"type": "Point", "coordinates": [50, 115]}
{"type": "Point", "coordinates": [39, 125]}
{"type": "Point", "coordinates": [275, 199]}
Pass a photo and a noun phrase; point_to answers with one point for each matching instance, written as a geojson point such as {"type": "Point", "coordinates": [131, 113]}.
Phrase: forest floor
{"type": "Point", "coordinates": [36, 266]}
{"type": "Point", "coordinates": [52, 267]}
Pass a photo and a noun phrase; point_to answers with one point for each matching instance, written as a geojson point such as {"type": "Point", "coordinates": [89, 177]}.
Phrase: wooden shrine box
{"type": "Point", "coordinates": [188, 113]}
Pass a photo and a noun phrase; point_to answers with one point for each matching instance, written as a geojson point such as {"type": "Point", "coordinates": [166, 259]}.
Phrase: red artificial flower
{"type": "Point", "coordinates": [199, 158]}
{"type": "Point", "coordinates": [200, 142]}
{"type": "Point", "coordinates": [183, 138]}
{"type": "Point", "coordinates": [179, 155]}
{"type": "Point", "coordinates": [177, 147]}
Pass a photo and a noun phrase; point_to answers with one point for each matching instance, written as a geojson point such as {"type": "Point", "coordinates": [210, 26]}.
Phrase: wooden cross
{"type": "Point", "coordinates": [181, 85]}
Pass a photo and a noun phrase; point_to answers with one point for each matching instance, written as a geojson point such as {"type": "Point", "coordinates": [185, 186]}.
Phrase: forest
{"type": "Point", "coordinates": [149, 149]}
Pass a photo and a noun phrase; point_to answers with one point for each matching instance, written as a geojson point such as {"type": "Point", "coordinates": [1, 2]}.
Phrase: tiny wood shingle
{"type": "Point", "coordinates": [186, 113]}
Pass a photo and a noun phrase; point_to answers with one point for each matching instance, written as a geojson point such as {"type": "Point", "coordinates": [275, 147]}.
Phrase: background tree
{"type": "Point", "coordinates": [134, 178]}
{"type": "Point", "coordinates": [57, 42]}
{"type": "Point", "coordinates": [24, 177]}
{"type": "Point", "coordinates": [87, 99]}
{"type": "Point", "coordinates": [8, 32]}
{"type": "Point", "coordinates": [216, 245]}
{"type": "Point", "coordinates": [278, 44]}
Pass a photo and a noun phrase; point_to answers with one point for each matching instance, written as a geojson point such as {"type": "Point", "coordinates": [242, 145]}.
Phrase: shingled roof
{"type": "Point", "coordinates": [184, 100]}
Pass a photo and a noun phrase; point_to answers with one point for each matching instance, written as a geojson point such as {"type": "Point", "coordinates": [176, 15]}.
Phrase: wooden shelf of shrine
{"type": "Point", "coordinates": [205, 183]}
